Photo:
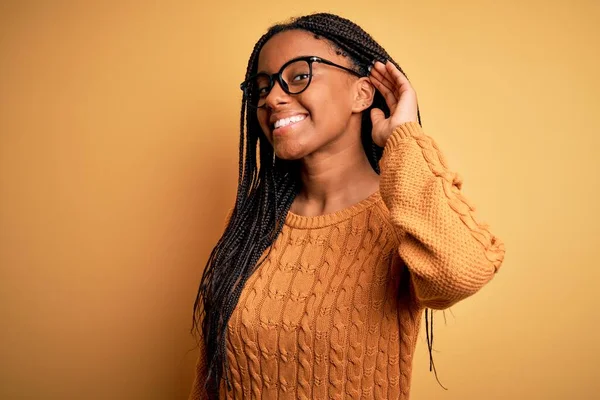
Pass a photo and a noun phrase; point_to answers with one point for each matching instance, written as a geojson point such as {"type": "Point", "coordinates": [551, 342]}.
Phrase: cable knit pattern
{"type": "Point", "coordinates": [334, 312]}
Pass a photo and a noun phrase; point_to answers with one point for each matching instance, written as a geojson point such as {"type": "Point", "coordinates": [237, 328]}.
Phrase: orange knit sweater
{"type": "Point", "coordinates": [334, 311]}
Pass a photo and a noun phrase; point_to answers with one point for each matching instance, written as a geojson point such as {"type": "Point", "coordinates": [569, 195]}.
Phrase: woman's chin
{"type": "Point", "coordinates": [288, 156]}
{"type": "Point", "coordinates": [290, 152]}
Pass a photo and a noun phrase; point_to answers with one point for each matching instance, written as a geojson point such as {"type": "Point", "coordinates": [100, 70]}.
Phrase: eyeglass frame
{"type": "Point", "coordinates": [279, 76]}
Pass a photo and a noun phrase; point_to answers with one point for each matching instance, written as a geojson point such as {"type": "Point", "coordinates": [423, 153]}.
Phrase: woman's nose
{"type": "Point", "coordinates": [276, 96]}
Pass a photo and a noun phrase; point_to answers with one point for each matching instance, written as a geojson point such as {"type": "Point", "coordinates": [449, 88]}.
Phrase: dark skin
{"type": "Point", "coordinates": [335, 171]}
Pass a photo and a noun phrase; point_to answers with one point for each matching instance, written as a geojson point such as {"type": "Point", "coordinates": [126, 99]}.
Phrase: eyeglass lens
{"type": "Point", "coordinates": [296, 77]}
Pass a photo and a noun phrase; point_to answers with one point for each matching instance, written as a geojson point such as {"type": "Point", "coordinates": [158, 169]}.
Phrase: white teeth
{"type": "Point", "coordinates": [288, 121]}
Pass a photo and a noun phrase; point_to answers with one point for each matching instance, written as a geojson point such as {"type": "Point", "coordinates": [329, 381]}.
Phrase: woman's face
{"type": "Point", "coordinates": [326, 106]}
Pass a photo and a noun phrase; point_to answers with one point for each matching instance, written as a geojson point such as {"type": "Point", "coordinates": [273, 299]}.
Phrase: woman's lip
{"type": "Point", "coordinates": [286, 129]}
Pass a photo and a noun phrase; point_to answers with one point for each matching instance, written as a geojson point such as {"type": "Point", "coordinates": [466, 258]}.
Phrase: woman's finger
{"type": "Point", "coordinates": [388, 95]}
{"type": "Point", "coordinates": [380, 71]}
{"type": "Point", "coordinates": [381, 84]}
{"type": "Point", "coordinates": [401, 81]}
{"type": "Point", "coordinates": [382, 80]}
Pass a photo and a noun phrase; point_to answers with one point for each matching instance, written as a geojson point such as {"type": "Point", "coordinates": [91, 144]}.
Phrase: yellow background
{"type": "Point", "coordinates": [119, 126]}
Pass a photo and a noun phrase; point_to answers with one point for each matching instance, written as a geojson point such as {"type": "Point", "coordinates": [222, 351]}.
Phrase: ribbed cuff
{"type": "Point", "coordinates": [405, 131]}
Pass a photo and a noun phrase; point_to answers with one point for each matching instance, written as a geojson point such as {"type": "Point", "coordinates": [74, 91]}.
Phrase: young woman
{"type": "Point", "coordinates": [347, 225]}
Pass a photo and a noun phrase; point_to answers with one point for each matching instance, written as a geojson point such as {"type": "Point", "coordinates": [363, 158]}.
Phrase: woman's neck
{"type": "Point", "coordinates": [335, 181]}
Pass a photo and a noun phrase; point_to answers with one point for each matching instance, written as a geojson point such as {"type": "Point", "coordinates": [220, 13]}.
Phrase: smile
{"type": "Point", "coordinates": [288, 121]}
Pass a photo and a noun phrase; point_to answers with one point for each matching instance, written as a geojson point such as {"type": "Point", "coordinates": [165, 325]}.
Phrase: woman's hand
{"type": "Point", "coordinates": [400, 97]}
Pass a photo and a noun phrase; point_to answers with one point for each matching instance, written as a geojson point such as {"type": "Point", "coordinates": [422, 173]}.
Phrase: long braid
{"type": "Point", "coordinates": [265, 193]}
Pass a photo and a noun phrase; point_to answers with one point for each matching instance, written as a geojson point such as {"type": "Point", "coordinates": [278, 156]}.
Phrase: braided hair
{"type": "Point", "coordinates": [267, 187]}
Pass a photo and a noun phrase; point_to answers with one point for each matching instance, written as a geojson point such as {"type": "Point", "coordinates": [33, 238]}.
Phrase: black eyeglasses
{"type": "Point", "coordinates": [294, 77]}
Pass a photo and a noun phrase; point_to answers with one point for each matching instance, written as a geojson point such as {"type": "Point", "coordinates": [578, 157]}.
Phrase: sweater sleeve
{"type": "Point", "coordinates": [449, 254]}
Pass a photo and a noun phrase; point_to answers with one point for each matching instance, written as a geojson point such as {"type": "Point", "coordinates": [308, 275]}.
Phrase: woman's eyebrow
{"type": "Point", "coordinates": [293, 58]}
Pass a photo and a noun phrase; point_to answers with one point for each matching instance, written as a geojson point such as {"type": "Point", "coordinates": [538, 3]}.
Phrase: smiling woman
{"type": "Point", "coordinates": [352, 226]}
{"type": "Point", "coordinates": [330, 95]}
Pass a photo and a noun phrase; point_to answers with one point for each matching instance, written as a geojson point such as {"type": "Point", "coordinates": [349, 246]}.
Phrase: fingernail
{"type": "Point", "coordinates": [370, 68]}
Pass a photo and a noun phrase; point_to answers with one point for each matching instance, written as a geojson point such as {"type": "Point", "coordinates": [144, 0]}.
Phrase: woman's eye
{"type": "Point", "coordinates": [301, 77]}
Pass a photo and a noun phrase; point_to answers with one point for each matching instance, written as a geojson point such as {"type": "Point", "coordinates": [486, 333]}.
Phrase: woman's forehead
{"type": "Point", "coordinates": [287, 45]}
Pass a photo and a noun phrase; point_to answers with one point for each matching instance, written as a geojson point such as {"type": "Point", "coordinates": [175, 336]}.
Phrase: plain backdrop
{"type": "Point", "coordinates": [119, 127]}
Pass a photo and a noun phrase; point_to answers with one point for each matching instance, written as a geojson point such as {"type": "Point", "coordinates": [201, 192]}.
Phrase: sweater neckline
{"type": "Point", "coordinates": [320, 221]}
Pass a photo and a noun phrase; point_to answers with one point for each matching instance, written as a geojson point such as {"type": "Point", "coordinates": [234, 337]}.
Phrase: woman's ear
{"type": "Point", "coordinates": [364, 93]}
